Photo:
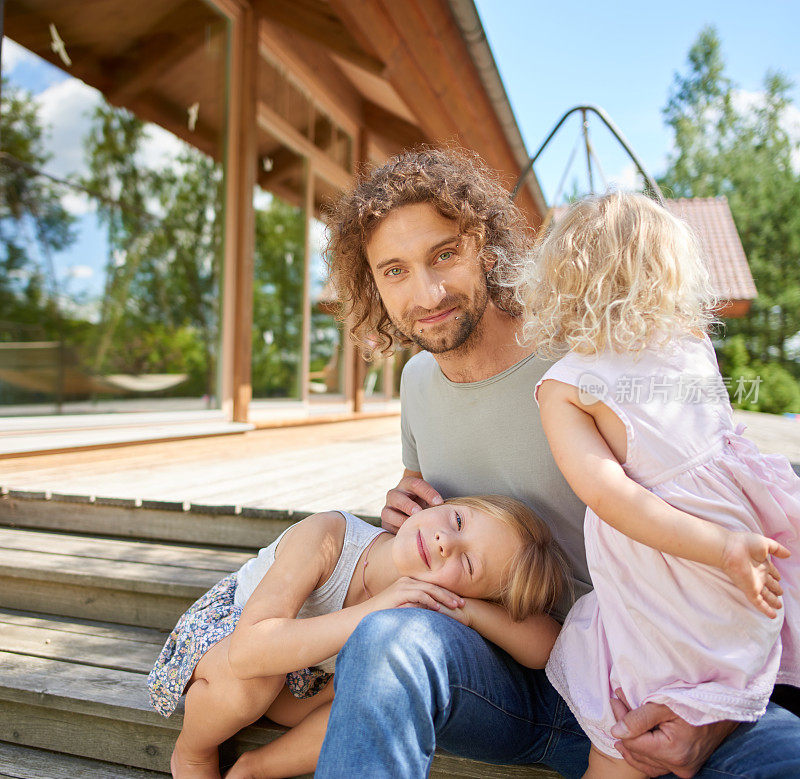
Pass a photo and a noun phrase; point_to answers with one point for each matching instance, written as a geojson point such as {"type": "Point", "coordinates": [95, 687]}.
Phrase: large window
{"type": "Point", "coordinates": [279, 272]}
{"type": "Point", "coordinates": [111, 210]}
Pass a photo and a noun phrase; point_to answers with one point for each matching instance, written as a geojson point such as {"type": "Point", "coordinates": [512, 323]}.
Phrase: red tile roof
{"type": "Point", "coordinates": [711, 219]}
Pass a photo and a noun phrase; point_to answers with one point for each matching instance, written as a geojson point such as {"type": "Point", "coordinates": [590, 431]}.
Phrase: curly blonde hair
{"type": "Point", "coordinates": [461, 187]}
{"type": "Point", "coordinates": [537, 575]}
{"type": "Point", "coordinates": [617, 271]}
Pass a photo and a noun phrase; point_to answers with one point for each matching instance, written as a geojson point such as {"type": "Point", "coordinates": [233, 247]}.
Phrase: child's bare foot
{"type": "Point", "coordinates": [185, 764]}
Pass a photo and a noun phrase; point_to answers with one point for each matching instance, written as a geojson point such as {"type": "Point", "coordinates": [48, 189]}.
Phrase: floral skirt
{"type": "Point", "coordinates": [208, 620]}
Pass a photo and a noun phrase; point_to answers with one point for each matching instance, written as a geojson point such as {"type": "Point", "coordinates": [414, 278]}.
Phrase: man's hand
{"type": "Point", "coordinates": [411, 495]}
{"type": "Point", "coordinates": [657, 741]}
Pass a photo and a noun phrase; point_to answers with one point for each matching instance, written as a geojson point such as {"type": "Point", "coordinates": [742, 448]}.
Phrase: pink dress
{"type": "Point", "coordinates": [665, 629]}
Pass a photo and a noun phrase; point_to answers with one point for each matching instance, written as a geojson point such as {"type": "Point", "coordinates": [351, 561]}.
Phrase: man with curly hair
{"type": "Point", "coordinates": [423, 252]}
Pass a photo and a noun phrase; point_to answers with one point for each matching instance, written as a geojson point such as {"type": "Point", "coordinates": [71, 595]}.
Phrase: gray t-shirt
{"type": "Point", "coordinates": [486, 437]}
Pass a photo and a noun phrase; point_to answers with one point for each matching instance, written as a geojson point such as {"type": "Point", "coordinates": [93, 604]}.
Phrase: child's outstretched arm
{"type": "Point", "coordinates": [529, 641]}
{"type": "Point", "coordinates": [597, 478]}
{"type": "Point", "coordinates": [270, 640]}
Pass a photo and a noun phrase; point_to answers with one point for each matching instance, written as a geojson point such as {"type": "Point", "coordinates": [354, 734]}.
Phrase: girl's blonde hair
{"type": "Point", "coordinates": [537, 575]}
{"type": "Point", "coordinates": [618, 272]}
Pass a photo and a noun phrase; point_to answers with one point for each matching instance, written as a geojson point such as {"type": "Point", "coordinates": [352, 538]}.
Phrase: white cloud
{"type": "Point", "coordinates": [80, 272]}
{"type": "Point", "coordinates": [65, 109]}
{"type": "Point", "coordinates": [628, 179]}
{"type": "Point", "coordinates": [90, 311]}
{"type": "Point", "coordinates": [77, 202]}
{"type": "Point", "coordinates": [744, 101]}
{"type": "Point", "coordinates": [13, 55]}
{"type": "Point", "coordinates": [262, 200]}
{"type": "Point", "coordinates": [160, 148]}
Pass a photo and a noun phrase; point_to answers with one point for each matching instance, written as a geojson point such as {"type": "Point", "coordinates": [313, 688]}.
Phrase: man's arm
{"type": "Point", "coordinates": [412, 494]}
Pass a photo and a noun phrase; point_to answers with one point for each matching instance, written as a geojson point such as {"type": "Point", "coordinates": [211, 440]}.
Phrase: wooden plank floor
{"type": "Point", "coordinates": [346, 465]}
{"type": "Point", "coordinates": [18, 762]}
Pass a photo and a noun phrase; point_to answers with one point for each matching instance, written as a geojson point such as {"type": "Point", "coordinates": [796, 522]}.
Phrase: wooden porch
{"type": "Point", "coordinates": [102, 550]}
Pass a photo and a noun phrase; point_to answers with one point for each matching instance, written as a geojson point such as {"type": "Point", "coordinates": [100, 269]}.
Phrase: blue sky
{"type": "Point", "coordinates": [622, 55]}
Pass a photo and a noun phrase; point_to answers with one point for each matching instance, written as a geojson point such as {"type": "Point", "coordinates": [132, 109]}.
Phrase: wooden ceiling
{"type": "Point", "coordinates": [399, 71]}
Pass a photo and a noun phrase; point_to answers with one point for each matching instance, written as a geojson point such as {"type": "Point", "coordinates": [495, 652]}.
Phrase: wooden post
{"type": "Point", "coordinates": [308, 208]}
{"type": "Point", "coordinates": [241, 159]}
{"type": "Point", "coordinates": [2, 18]}
{"type": "Point", "coordinates": [359, 366]}
{"type": "Point", "coordinates": [348, 360]}
{"type": "Point", "coordinates": [359, 375]}
{"type": "Point", "coordinates": [388, 377]}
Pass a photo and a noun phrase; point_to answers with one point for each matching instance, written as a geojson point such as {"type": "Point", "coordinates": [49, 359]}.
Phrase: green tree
{"type": "Point", "coordinates": [33, 223]}
{"type": "Point", "coordinates": [278, 300]}
{"type": "Point", "coordinates": [160, 309]}
{"type": "Point", "coordinates": [725, 146]}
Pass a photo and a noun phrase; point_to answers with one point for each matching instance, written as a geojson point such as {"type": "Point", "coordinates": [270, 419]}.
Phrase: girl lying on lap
{"type": "Point", "coordinates": [487, 561]}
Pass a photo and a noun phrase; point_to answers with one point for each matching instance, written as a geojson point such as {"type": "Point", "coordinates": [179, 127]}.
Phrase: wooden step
{"type": "Point", "coordinates": [129, 582]}
{"type": "Point", "coordinates": [78, 687]}
{"type": "Point", "coordinates": [18, 762]}
{"type": "Point", "coordinates": [228, 526]}
{"type": "Point", "coordinates": [83, 694]}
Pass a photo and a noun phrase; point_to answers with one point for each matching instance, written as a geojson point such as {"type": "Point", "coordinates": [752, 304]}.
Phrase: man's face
{"type": "Point", "coordinates": [429, 277]}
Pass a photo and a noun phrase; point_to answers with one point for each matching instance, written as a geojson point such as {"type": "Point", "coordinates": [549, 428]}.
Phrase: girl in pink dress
{"type": "Point", "coordinates": [688, 528]}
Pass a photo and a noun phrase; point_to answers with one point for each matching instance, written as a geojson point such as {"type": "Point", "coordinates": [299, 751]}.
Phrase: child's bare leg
{"type": "Point", "coordinates": [602, 766]}
{"type": "Point", "coordinates": [218, 704]}
{"type": "Point", "coordinates": [295, 752]}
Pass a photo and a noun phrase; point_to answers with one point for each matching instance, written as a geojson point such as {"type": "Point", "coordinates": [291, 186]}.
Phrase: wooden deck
{"type": "Point", "coordinates": [100, 551]}
{"type": "Point", "coordinates": [346, 465]}
{"type": "Point", "coordinates": [315, 467]}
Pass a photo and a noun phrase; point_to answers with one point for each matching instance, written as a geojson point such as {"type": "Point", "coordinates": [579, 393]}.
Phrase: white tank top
{"type": "Point", "coordinates": [325, 599]}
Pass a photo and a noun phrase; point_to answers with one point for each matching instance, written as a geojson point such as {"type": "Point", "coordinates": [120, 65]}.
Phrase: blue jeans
{"type": "Point", "coordinates": [409, 680]}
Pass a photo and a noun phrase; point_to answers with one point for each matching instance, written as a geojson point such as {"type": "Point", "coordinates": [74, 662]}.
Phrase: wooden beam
{"type": "Point", "coordinates": [358, 369]}
{"type": "Point", "coordinates": [315, 72]}
{"type": "Point", "coordinates": [241, 158]}
{"type": "Point", "coordinates": [154, 108]}
{"type": "Point", "coordinates": [308, 212]}
{"type": "Point", "coordinates": [431, 69]}
{"type": "Point", "coordinates": [464, 76]}
{"type": "Point", "coordinates": [31, 30]}
{"type": "Point", "coordinates": [385, 124]}
{"type": "Point", "coordinates": [388, 377]}
{"type": "Point", "coordinates": [314, 20]}
{"type": "Point", "coordinates": [283, 131]}
{"type": "Point", "coordinates": [410, 82]}
{"type": "Point", "coordinates": [133, 76]}
{"type": "Point", "coordinates": [447, 67]}
{"type": "Point", "coordinates": [284, 163]}
{"type": "Point", "coordinates": [284, 192]}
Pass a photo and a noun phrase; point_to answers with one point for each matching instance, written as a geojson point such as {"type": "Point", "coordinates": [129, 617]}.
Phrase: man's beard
{"type": "Point", "coordinates": [454, 333]}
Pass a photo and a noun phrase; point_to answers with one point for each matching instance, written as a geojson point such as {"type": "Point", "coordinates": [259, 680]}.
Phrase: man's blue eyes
{"type": "Point", "coordinates": [458, 520]}
{"type": "Point", "coordinates": [443, 257]}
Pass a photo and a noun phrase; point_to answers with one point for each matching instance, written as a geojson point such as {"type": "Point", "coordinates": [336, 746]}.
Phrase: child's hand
{"type": "Point", "coordinates": [413, 592]}
{"type": "Point", "coordinates": [462, 614]}
{"type": "Point", "coordinates": [746, 561]}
